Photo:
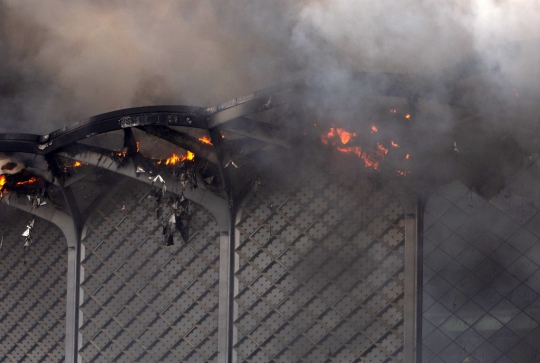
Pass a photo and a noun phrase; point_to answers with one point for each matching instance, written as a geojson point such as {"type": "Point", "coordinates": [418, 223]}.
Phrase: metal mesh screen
{"type": "Point", "coordinates": [320, 274]}
{"type": "Point", "coordinates": [32, 295]}
{"type": "Point", "coordinates": [145, 301]}
{"type": "Point", "coordinates": [481, 275]}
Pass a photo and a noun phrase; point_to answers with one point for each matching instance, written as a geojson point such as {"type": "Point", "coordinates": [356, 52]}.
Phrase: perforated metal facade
{"type": "Point", "coordinates": [32, 294]}
{"type": "Point", "coordinates": [145, 301]}
{"type": "Point", "coordinates": [481, 275]}
{"type": "Point", "coordinates": [320, 273]}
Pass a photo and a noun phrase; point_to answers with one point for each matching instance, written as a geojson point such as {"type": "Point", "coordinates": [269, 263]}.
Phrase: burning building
{"type": "Point", "coordinates": [266, 229]}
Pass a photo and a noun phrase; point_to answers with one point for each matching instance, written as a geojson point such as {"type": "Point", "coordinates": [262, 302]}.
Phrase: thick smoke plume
{"type": "Point", "coordinates": [62, 61]}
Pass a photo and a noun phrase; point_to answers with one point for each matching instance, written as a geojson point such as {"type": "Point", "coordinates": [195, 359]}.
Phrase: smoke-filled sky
{"type": "Point", "coordinates": [61, 61]}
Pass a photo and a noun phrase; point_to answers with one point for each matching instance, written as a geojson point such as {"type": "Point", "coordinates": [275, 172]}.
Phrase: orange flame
{"type": "Point", "coordinates": [345, 136]}
{"type": "Point", "coordinates": [205, 140]}
{"type": "Point", "coordinates": [371, 157]}
{"type": "Point", "coordinates": [374, 129]}
{"type": "Point", "coordinates": [2, 181]}
{"type": "Point", "coordinates": [408, 116]}
{"type": "Point", "coordinates": [172, 160]}
{"type": "Point", "coordinates": [32, 180]}
{"type": "Point", "coordinates": [394, 144]}
{"type": "Point", "coordinates": [175, 159]}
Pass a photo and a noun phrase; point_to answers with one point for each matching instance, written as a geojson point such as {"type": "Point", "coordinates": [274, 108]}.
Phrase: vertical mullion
{"type": "Point", "coordinates": [413, 261]}
{"type": "Point", "coordinates": [226, 265]}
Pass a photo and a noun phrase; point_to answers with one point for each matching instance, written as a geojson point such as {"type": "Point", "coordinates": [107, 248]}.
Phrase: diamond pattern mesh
{"type": "Point", "coordinates": [32, 295]}
{"type": "Point", "coordinates": [144, 301]}
{"type": "Point", "coordinates": [320, 274]}
{"type": "Point", "coordinates": [481, 276]}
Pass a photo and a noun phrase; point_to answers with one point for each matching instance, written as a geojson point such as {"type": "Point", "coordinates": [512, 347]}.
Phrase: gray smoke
{"type": "Point", "coordinates": [63, 61]}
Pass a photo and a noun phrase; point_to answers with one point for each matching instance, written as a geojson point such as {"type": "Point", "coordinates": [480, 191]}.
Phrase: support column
{"type": "Point", "coordinates": [73, 298]}
{"type": "Point", "coordinates": [225, 328]}
{"type": "Point", "coordinates": [413, 283]}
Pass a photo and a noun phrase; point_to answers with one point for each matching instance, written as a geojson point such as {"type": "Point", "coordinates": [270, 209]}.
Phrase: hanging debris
{"type": "Point", "coordinates": [181, 210]}
{"type": "Point", "coordinates": [140, 170]}
{"type": "Point", "coordinates": [27, 234]}
{"type": "Point", "coordinates": [177, 221]}
{"type": "Point", "coordinates": [168, 231]}
{"type": "Point", "coordinates": [231, 162]}
{"type": "Point", "coordinates": [37, 200]}
{"type": "Point", "coordinates": [257, 185]}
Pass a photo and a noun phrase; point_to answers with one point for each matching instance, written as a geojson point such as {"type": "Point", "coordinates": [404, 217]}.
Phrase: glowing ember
{"type": "Point", "coordinates": [381, 150]}
{"type": "Point", "coordinates": [394, 144]}
{"type": "Point", "coordinates": [76, 164]}
{"type": "Point", "coordinates": [408, 116]}
{"type": "Point", "coordinates": [516, 93]}
{"type": "Point", "coordinates": [351, 150]}
{"type": "Point", "coordinates": [32, 180]}
{"type": "Point", "coordinates": [138, 145]}
{"type": "Point", "coordinates": [345, 136]}
{"type": "Point", "coordinates": [374, 129]}
{"type": "Point", "coordinates": [393, 111]}
{"type": "Point", "coordinates": [122, 153]}
{"type": "Point", "coordinates": [402, 173]}
{"type": "Point", "coordinates": [407, 156]}
{"type": "Point", "coordinates": [205, 140]}
{"type": "Point", "coordinates": [331, 133]}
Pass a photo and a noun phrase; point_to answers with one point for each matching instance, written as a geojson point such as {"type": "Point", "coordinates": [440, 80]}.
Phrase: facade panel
{"type": "Point", "coordinates": [144, 301]}
{"type": "Point", "coordinates": [481, 290]}
{"type": "Point", "coordinates": [320, 273]}
{"type": "Point", "coordinates": [32, 290]}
